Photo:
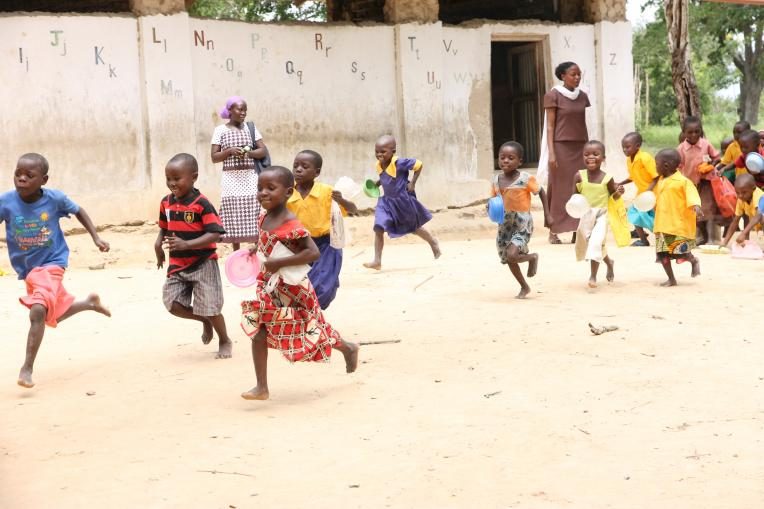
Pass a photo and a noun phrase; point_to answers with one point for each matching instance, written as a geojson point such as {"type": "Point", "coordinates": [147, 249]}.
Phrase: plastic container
{"type": "Point", "coordinates": [241, 268]}
{"type": "Point", "coordinates": [496, 209]}
{"type": "Point", "coordinates": [755, 163]}
{"type": "Point", "coordinates": [645, 201]}
{"type": "Point", "coordinates": [577, 206]}
{"type": "Point", "coordinates": [348, 187]}
{"type": "Point", "coordinates": [748, 251]}
{"type": "Point", "coordinates": [370, 189]}
{"type": "Point", "coordinates": [713, 249]}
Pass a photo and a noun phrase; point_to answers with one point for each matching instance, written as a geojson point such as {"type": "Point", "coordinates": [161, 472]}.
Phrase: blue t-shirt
{"type": "Point", "coordinates": [35, 238]}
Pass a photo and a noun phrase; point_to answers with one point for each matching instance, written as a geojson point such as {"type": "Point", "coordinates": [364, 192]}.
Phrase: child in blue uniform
{"type": "Point", "coordinates": [398, 212]}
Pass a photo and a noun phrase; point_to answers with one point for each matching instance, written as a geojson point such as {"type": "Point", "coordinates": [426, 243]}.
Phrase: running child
{"type": "Point", "coordinates": [189, 228]}
{"type": "Point", "coordinates": [694, 151]}
{"type": "Point", "coordinates": [312, 204]}
{"type": "Point", "coordinates": [750, 143]}
{"type": "Point", "coordinates": [677, 208]}
{"type": "Point", "coordinates": [597, 187]}
{"type": "Point", "coordinates": [641, 168]}
{"type": "Point", "coordinates": [39, 253]}
{"type": "Point", "coordinates": [283, 316]}
{"type": "Point", "coordinates": [398, 212]}
{"type": "Point", "coordinates": [726, 166]}
{"type": "Point", "coordinates": [515, 188]}
{"type": "Point", "coordinates": [748, 196]}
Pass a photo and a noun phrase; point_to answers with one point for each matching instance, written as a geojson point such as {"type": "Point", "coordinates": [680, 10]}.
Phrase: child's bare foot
{"type": "Point", "coordinates": [256, 393]}
{"type": "Point", "coordinates": [592, 283]}
{"type": "Point", "coordinates": [524, 291]}
{"type": "Point", "coordinates": [351, 357]}
{"type": "Point", "coordinates": [376, 265]}
{"type": "Point", "coordinates": [225, 349]}
{"type": "Point", "coordinates": [25, 378]}
{"type": "Point", "coordinates": [610, 276]}
{"type": "Point", "coordinates": [695, 267]}
{"type": "Point", "coordinates": [669, 282]}
{"type": "Point", "coordinates": [207, 332]}
{"type": "Point", "coordinates": [533, 265]}
{"type": "Point", "coordinates": [94, 301]}
{"type": "Point", "coordinates": [435, 249]}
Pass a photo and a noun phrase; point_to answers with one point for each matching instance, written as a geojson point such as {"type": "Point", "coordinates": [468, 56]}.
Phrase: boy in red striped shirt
{"type": "Point", "coordinates": [189, 228]}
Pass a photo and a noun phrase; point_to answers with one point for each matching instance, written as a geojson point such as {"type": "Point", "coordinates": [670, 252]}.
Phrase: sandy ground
{"type": "Point", "coordinates": [487, 402]}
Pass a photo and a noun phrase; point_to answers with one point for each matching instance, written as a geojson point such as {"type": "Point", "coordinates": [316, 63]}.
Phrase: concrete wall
{"type": "Point", "coordinates": [109, 99]}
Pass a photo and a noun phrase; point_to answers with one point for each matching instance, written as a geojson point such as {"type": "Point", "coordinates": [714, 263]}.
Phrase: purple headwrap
{"type": "Point", "coordinates": [224, 113]}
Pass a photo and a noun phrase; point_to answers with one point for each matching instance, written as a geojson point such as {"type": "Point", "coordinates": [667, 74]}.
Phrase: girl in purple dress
{"type": "Point", "coordinates": [398, 212]}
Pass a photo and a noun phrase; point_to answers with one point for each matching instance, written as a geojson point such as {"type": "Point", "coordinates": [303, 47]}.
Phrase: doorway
{"type": "Point", "coordinates": [517, 89]}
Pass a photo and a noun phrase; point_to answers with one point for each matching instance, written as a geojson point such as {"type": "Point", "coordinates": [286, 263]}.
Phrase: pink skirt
{"type": "Point", "coordinates": [45, 287]}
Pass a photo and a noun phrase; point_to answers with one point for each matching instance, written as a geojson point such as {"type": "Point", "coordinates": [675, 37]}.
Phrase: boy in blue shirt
{"type": "Point", "coordinates": [39, 253]}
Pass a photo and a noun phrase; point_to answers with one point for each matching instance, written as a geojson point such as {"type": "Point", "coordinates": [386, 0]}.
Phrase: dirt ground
{"type": "Point", "coordinates": [486, 402]}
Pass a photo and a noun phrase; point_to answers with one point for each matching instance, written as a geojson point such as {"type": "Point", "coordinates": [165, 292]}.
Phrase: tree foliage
{"type": "Point", "coordinates": [259, 10]}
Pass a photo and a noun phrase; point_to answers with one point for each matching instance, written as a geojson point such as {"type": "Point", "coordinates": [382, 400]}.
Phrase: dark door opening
{"type": "Point", "coordinates": [517, 89]}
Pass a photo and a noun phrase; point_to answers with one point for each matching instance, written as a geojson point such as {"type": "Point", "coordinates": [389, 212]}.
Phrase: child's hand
{"type": "Point", "coordinates": [336, 195]}
{"type": "Point", "coordinates": [740, 240]}
{"type": "Point", "coordinates": [175, 244]}
{"type": "Point", "coordinates": [272, 266]}
{"type": "Point", "coordinates": [160, 257]}
{"type": "Point", "coordinates": [619, 191]}
{"type": "Point", "coordinates": [698, 212]}
{"type": "Point", "coordinates": [410, 187]}
{"type": "Point", "coordinates": [378, 183]}
{"type": "Point", "coordinates": [253, 251]}
{"type": "Point", "coordinates": [103, 246]}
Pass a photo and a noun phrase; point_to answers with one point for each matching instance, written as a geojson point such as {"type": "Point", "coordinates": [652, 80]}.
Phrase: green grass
{"type": "Point", "coordinates": [657, 137]}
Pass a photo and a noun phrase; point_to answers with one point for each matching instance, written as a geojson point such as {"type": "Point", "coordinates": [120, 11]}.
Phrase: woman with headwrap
{"type": "Point", "coordinates": [238, 146]}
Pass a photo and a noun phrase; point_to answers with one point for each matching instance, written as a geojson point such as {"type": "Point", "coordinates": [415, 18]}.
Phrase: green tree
{"type": "Point", "coordinates": [739, 37]}
{"type": "Point", "coordinates": [259, 10]}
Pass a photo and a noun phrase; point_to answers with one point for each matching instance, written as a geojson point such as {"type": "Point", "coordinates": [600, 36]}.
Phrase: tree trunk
{"type": "Point", "coordinates": [751, 66]}
{"type": "Point", "coordinates": [685, 87]}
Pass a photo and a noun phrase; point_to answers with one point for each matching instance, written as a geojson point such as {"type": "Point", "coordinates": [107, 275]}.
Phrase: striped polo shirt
{"type": "Point", "coordinates": [188, 219]}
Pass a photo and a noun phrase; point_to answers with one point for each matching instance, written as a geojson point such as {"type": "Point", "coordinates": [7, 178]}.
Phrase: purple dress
{"type": "Point", "coordinates": [398, 212]}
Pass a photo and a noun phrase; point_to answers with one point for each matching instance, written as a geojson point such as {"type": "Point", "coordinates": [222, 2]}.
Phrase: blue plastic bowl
{"type": "Point", "coordinates": [496, 209]}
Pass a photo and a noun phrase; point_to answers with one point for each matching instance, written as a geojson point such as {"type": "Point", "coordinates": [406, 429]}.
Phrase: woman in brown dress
{"type": "Point", "coordinates": [566, 133]}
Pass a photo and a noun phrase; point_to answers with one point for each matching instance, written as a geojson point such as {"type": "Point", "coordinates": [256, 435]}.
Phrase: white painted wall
{"type": "Point", "coordinates": [331, 88]}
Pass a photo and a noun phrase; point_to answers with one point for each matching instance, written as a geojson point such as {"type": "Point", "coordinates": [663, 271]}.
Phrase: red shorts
{"type": "Point", "coordinates": [45, 287]}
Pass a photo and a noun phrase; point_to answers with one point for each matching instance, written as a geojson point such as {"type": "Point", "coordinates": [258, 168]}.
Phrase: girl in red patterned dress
{"type": "Point", "coordinates": [284, 316]}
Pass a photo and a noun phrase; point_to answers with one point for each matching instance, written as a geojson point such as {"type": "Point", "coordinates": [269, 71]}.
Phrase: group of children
{"type": "Point", "coordinates": [287, 315]}
{"type": "Point", "coordinates": [684, 211]}
{"type": "Point", "coordinates": [283, 314]}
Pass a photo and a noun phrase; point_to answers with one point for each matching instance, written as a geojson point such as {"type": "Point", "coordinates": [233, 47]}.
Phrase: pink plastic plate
{"type": "Point", "coordinates": [749, 251]}
{"type": "Point", "coordinates": [241, 268]}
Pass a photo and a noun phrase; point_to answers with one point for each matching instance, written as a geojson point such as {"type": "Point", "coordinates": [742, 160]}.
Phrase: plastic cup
{"type": "Point", "coordinates": [754, 162]}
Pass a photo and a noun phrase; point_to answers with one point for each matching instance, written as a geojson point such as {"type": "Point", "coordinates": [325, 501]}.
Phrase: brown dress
{"type": "Point", "coordinates": [570, 135]}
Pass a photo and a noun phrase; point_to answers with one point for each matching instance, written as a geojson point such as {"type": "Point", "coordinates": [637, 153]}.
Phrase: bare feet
{"type": "Point", "coordinates": [554, 239]}
{"type": "Point", "coordinates": [533, 264]}
{"type": "Point", "coordinates": [435, 248]}
{"type": "Point", "coordinates": [610, 276]}
{"type": "Point", "coordinates": [695, 267]}
{"type": "Point", "coordinates": [669, 282]}
{"type": "Point", "coordinates": [256, 393]}
{"type": "Point", "coordinates": [376, 265]}
{"type": "Point", "coordinates": [225, 349]}
{"type": "Point", "coordinates": [207, 332]}
{"type": "Point", "coordinates": [592, 283]}
{"type": "Point", "coordinates": [94, 301]}
{"type": "Point", "coordinates": [351, 357]}
{"type": "Point", "coordinates": [25, 378]}
{"type": "Point", "coordinates": [524, 291]}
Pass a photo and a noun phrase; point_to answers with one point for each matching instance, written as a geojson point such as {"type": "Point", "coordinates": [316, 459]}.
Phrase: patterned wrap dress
{"type": "Point", "coordinates": [239, 208]}
{"type": "Point", "coordinates": [290, 314]}
{"type": "Point", "coordinates": [517, 227]}
{"type": "Point", "coordinates": [398, 212]}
